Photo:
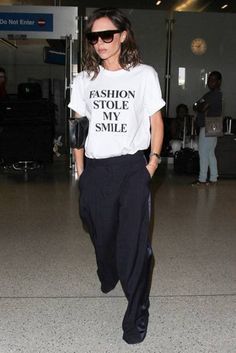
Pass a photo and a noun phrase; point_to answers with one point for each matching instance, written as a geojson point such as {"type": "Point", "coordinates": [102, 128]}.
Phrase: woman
{"type": "Point", "coordinates": [211, 105]}
{"type": "Point", "coordinates": [122, 99]}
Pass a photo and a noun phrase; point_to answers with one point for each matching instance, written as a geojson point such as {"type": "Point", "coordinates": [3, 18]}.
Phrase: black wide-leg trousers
{"type": "Point", "coordinates": [114, 205]}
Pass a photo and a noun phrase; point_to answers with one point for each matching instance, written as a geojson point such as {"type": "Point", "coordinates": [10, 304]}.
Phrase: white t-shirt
{"type": "Point", "coordinates": [118, 105]}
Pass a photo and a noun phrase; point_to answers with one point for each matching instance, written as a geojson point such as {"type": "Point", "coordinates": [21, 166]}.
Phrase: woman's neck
{"type": "Point", "coordinates": [111, 65]}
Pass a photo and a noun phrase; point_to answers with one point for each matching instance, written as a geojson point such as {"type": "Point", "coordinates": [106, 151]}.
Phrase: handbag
{"type": "Point", "coordinates": [78, 131]}
{"type": "Point", "coordinates": [213, 126]}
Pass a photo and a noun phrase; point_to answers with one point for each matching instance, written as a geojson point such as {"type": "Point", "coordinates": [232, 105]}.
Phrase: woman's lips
{"type": "Point", "coordinates": [102, 51]}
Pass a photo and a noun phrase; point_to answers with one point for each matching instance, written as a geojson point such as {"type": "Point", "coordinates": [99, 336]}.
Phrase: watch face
{"type": "Point", "coordinates": [198, 46]}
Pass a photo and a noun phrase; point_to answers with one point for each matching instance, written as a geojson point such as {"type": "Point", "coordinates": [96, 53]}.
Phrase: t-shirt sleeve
{"type": "Point", "coordinates": [153, 96]}
{"type": "Point", "coordinates": [77, 100]}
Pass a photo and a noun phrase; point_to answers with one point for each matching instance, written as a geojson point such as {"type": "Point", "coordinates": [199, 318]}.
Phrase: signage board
{"type": "Point", "coordinates": [26, 22]}
{"type": "Point", "coordinates": [49, 22]}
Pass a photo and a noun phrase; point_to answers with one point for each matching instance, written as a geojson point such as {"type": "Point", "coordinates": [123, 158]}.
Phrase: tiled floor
{"type": "Point", "coordinates": [50, 300]}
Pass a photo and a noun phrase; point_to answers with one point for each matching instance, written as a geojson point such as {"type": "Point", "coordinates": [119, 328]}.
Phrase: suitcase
{"type": "Point", "coordinates": [19, 110]}
{"type": "Point", "coordinates": [26, 142]}
{"type": "Point", "coordinates": [26, 131]}
{"type": "Point", "coordinates": [186, 160]}
{"type": "Point", "coordinates": [226, 156]}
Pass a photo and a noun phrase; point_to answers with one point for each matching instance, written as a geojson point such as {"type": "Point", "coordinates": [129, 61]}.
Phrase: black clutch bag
{"type": "Point", "coordinates": [78, 131]}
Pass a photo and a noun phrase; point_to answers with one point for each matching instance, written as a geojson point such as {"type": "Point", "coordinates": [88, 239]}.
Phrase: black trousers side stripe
{"type": "Point", "coordinates": [114, 205]}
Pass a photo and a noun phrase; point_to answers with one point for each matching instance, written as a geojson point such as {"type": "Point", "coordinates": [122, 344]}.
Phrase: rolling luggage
{"type": "Point", "coordinates": [186, 160]}
{"type": "Point", "coordinates": [26, 131]}
{"type": "Point", "coordinates": [226, 155]}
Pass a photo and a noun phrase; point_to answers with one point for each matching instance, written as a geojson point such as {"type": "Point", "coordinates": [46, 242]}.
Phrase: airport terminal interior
{"type": "Point", "coordinates": [50, 297]}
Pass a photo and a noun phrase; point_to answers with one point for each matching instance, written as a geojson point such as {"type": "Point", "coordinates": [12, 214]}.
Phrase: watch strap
{"type": "Point", "coordinates": [156, 155]}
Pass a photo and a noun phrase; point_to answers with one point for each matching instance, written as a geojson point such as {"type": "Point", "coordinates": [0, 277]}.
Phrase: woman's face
{"type": "Point", "coordinates": [108, 52]}
{"type": "Point", "coordinates": [213, 82]}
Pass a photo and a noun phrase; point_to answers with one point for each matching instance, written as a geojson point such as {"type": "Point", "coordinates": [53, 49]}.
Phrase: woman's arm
{"type": "Point", "coordinates": [200, 106]}
{"type": "Point", "coordinates": [157, 134]}
{"type": "Point", "coordinates": [79, 160]}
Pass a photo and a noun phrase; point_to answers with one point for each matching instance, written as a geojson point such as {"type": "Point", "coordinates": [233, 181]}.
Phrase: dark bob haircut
{"type": "Point", "coordinates": [129, 56]}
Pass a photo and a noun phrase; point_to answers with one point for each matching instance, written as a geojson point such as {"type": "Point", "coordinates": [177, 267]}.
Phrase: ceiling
{"type": "Point", "coordinates": [165, 5]}
{"type": "Point", "coordinates": [177, 5]}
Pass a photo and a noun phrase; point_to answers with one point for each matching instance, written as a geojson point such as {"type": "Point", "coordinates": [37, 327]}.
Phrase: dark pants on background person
{"type": "Point", "coordinates": [114, 205]}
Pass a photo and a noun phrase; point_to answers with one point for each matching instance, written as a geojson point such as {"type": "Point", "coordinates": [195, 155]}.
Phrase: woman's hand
{"type": "Point", "coordinates": [80, 173]}
{"type": "Point", "coordinates": [152, 167]}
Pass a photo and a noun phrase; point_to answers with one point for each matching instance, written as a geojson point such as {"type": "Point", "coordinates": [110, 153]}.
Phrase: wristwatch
{"type": "Point", "coordinates": [156, 155]}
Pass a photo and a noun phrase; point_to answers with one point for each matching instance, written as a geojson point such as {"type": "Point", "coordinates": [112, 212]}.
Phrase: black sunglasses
{"type": "Point", "coordinates": [106, 36]}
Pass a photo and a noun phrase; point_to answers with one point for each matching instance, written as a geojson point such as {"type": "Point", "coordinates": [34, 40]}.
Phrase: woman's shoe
{"type": "Point", "coordinates": [199, 183]}
{"type": "Point", "coordinates": [213, 182]}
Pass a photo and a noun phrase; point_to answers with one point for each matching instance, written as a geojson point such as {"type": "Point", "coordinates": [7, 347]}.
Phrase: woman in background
{"type": "Point", "coordinates": [211, 105]}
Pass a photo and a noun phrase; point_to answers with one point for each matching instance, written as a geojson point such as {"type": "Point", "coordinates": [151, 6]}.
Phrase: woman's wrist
{"type": "Point", "coordinates": [156, 157]}
{"type": "Point", "coordinates": [153, 161]}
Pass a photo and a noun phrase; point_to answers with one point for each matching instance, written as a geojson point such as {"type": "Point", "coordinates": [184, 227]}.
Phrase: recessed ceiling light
{"type": "Point", "coordinates": [158, 3]}
{"type": "Point", "coordinates": [224, 6]}
{"type": "Point", "coordinates": [185, 5]}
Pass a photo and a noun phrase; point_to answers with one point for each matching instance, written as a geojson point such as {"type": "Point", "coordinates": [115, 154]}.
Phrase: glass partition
{"type": "Point", "coordinates": [201, 43]}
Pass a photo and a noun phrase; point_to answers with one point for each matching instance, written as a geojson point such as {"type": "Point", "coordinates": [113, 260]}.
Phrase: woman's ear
{"type": "Point", "coordinates": [123, 36]}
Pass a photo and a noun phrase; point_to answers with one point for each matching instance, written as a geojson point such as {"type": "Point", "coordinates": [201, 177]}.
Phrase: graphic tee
{"type": "Point", "coordinates": [118, 105]}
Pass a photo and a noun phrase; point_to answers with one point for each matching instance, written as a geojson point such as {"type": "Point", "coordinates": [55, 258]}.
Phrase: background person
{"type": "Point", "coordinates": [178, 129]}
{"type": "Point", "coordinates": [211, 105]}
{"type": "Point", "coordinates": [122, 99]}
